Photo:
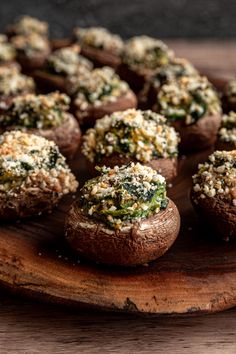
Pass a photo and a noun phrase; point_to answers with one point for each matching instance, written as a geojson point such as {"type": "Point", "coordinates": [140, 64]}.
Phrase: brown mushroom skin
{"type": "Point", "coordinates": [135, 78]}
{"type": "Point", "coordinates": [136, 243]}
{"type": "Point", "coordinates": [29, 64]}
{"type": "Point", "coordinates": [88, 117]}
{"type": "Point", "coordinates": [219, 213]}
{"type": "Point", "coordinates": [32, 202]}
{"type": "Point", "coordinates": [197, 136]}
{"type": "Point", "coordinates": [167, 167]}
{"type": "Point", "coordinates": [67, 136]}
{"type": "Point", "coordinates": [48, 82]}
{"type": "Point", "coordinates": [224, 145]}
{"type": "Point", "coordinates": [59, 43]}
{"type": "Point", "coordinates": [101, 57]}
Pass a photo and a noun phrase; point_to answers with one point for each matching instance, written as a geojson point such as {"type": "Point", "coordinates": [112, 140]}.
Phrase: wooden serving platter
{"type": "Point", "coordinates": [197, 275]}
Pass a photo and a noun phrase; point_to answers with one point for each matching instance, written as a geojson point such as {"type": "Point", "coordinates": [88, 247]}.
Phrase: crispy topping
{"type": "Point", "coordinates": [30, 45]}
{"type": "Point", "coordinates": [27, 24]}
{"type": "Point", "coordinates": [174, 70]}
{"type": "Point", "coordinates": [143, 135]}
{"type": "Point", "coordinates": [146, 53]}
{"type": "Point", "coordinates": [97, 87]}
{"type": "Point", "coordinates": [227, 132]}
{"type": "Point", "coordinates": [7, 51]}
{"type": "Point", "coordinates": [100, 38]}
{"type": "Point", "coordinates": [188, 99]}
{"type": "Point", "coordinates": [29, 161]}
{"type": "Point", "coordinates": [230, 91]}
{"type": "Point", "coordinates": [67, 62]}
{"type": "Point", "coordinates": [12, 82]}
{"type": "Point", "coordinates": [217, 176]}
{"type": "Point", "coordinates": [124, 194]}
{"type": "Point", "coordinates": [31, 111]}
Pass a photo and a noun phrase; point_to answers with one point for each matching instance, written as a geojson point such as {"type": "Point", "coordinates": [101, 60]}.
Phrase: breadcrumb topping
{"type": "Point", "coordinates": [12, 82]}
{"type": "Point", "coordinates": [27, 24]}
{"type": "Point", "coordinates": [30, 45]}
{"type": "Point", "coordinates": [188, 99]}
{"type": "Point", "coordinates": [97, 87]}
{"type": "Point", "coordinates": [146, 52]}
{"type": "Point", "coordinates": [177, 68]}
{"type": "Point", "coordinates": [7, 51]}
{"type": "Point", "coordinates": [143, 135]}
{"type": "Point", "coordinates": [230, 91]}
{"type": "Point", "coordinates": [99, 37]}
{"type": "Point", "coordinates": [217, 176]}
{"type": "Point", "coordinates": [29, 161]}
{"type": "Point", "coordinates": [227, 132]}
{"type": "Point", "coordinates": [36, 111]}
{"type": "Point", "coordinates": [124, 194]}
{"type": "Point", "coordinates": [67, 62]}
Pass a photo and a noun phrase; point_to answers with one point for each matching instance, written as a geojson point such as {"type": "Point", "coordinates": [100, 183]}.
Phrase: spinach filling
{"type": "Point", "coordinates": [125, 198]}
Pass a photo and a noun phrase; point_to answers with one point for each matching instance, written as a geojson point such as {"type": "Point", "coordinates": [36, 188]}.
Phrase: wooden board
{"type": "Point", "coordinates": [197, 275]}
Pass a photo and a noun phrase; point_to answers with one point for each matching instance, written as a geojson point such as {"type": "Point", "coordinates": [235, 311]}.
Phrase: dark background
{"type": "Point", "coordinates": [161, 18]}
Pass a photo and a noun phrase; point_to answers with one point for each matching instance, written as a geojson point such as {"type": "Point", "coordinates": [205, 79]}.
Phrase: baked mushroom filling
{"type": "Point", "coordinates": [30, 45]}
{"type": "Point", "coordinates": [99, 38]}
{"type": "Point", "coordinates": [27, 24]}
{"type": "Point", "coordinates": [230, 91]}
{"type": "Point", "coordinates": [29, 161]}
{"type": "Point", "coordinates": [217, 177]}
{"type": "Point", "coordinates": [12, 82]}
{"type": "Point", "coordinates": [174, 70]}
{"type": "Point", "coordinates": [124, 194]}
{"type": "Point", "coordinates": [98, 87]}
{"type": "Point", "coordinates": [32, 111]}
{"type": "Point", "coordinates": [143, 135]}
{"type": "Point", "coordinates": [146, 53]}
{"type": "Point", "coordinates": [188, 99]}
{"type": "Point", "coordinates": [7, 51]}
{"type": "Point", "coordinates": [67, 62]}
{"type": "Point", "coordinates": [227, 132]}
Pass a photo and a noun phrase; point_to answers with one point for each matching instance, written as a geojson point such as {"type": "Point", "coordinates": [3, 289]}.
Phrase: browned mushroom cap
{"type": "Point", "coordinates": [32, 202]}
{"type": "Point", "coordinates": [60, 43]}
{"type": "Point", "coordinates": [136, 243]}
{"type": "Point", "coordinates": [199, 135]}
{"type": "Point", "coordinates": [218, 212]}
{"type": "Point", "coordinates": [135, 78]}
{"type": "Point", "coordinates": [66, 136]}
{"type": "Point", "coordinates": [88, 117]}
{"type": "Point", "coordinates": [48, 82]}
{"type": "Point", "coordinates": [101, 57]}
{"type": "Point", "coordinates": [223, 145]}
{"type": "Point", "coordinates": [167, 167]}
{"type": "Point", "coordinates": [32, 63]}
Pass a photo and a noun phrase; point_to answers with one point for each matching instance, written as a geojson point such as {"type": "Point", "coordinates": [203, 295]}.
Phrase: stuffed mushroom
{"type": "Point", "coordinates": [13, 84]}
{"type": "Point", "coordinates": [99, 45]}
{"type": "Point", "coordinates": [33, 176]}
{"type": "Point", "coordinates": [123, 217]}
{"type": "Point", "coordinates": [227, 133]}
{"type": "Point", "coordinates": [98, 93]}
{"type": "Point", "coordinates": [192, 106]}
{"type": "Point", "coordinates": [214, 192]}
{"type": "Point", "coordinates": [229, 96]}
{"type": "Point", "coordinates": [141, 57]}
{"type": "Point", "coordinates": [31, 51]}
{"type": "Point", "coordinates": [7, 53]}
{"type": "Point", "coordinates": [59, 67]}
{"type": "Point", "coordinates": [47, 116]}
{"type": "Point", "coordinates": [133, 135]}
{"type": "Point", "coordinates": [25, 25]}
{"type": "Point", "coordinates": [174, 70]}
